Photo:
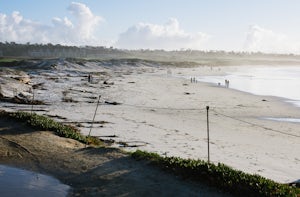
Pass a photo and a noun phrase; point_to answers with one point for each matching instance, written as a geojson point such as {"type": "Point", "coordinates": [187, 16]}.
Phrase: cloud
{"type": "Point", "coordinates": [17, 29]}
{"type": "Point", "coordinates": [86, 20]}
{"type": "Point", "coordinates": [265, 40]}
{"type": "Point", "coordinates": [81, 31]}
{"type": "Point", "coordinates": [168, 36]}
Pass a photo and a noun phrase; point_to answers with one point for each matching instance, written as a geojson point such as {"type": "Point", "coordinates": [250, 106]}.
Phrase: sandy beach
{"type": "Point", "coordinates": [88, 171]}
{"type": "Point", "coordinates": [168, 114]}
{"type": "Point", "coordinates": [162, 111]}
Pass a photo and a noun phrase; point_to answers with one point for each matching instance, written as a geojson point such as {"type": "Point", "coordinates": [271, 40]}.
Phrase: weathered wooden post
{"type": "Point", "coordinates": [207, 109]}
{"type": "Point", "coordinates": [94, 116]}
{"type": "Point", "coordinates": [32, 101]}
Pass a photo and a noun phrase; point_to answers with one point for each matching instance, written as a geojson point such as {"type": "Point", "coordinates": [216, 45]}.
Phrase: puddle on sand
{"type": "Point", "coordinates": [18, 182]}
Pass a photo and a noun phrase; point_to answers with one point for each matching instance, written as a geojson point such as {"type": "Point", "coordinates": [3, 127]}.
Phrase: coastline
{"type": "Point", "coordinates": [160, 112]}
{"type": "Point", "coordinates": [281, 81]}
{"type": "Point", "coordinates": [170, 117]}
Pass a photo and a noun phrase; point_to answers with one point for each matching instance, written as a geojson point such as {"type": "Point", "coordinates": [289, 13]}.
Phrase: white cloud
{"type": "Point", "coordinates": [17, 29]}
{"type": "Point", "coordinates": [152, 36]}
{"type": "Point", "coordinates": [265, 40]}
{"type": "Point", "coordinates": [14, 28]}
{"type": "Point", "coordinates": [86, 20]}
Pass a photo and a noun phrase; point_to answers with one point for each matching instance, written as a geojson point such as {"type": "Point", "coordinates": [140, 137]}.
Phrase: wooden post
{"type": "Point", "coordinates": [32, 101]}
{"type": "Point", "coordinates": [208, 159]}
{"type": "Point", "coordinates": [94, 115]}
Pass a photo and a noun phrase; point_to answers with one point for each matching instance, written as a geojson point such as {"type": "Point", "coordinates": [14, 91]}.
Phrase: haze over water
{"type": "Point", "coordinates": [279, 81]}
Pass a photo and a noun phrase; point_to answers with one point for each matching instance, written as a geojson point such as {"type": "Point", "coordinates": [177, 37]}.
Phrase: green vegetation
{"type": "Point", "coordinates": [8, 60]}
{"type": "Point", "coordinates": [45, 123]}
{"type": "Point", "coordinates": [220, 176]}
{"type": "Point", "coordinates": [28, 51]}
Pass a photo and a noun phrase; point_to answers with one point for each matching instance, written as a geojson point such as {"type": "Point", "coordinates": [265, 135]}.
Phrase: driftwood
{"type": "Point", "coordinates": [112, 103]}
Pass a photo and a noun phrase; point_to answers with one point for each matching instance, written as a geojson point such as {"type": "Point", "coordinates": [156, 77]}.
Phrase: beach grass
{"type": "Point", "coordinates": [220, 176]}
{"type": "Point", "coordinates": [8, 60]}
{"type": "Point", "coordinates": [46, 123]}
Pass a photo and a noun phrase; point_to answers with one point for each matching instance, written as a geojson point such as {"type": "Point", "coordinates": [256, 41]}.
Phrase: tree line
{"type": "Point", "coordinates": [28, 50]}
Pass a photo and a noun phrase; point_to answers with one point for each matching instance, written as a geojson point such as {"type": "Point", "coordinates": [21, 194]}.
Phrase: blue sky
{"type": "Point", "coordinates": [256, 25]}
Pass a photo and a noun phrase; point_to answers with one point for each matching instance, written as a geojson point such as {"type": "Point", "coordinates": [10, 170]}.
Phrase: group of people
{"type": "Point", "coordinates": [226, 83]}
{"type": "Point", "coordinates": [193, 80]}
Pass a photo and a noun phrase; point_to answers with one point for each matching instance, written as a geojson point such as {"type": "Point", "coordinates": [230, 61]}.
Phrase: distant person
{"type": "Point", "coordinates": [90, 78]}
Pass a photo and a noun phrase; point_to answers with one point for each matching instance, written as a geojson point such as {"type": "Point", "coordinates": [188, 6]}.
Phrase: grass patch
{"type": "Point", "coordinates": [46, 123]}
{"type": "Point", "coordinates": [220, 176]}
{"type": "Point", "coordinates": [5, 60]}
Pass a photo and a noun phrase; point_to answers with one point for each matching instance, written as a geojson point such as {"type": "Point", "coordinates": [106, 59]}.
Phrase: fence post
{"type": "Point", "coordinates": [94, 116]}
{"type": "Point", "coordinates": [207, 109]}
{"type": "Point", "coordinates": [32, 101]}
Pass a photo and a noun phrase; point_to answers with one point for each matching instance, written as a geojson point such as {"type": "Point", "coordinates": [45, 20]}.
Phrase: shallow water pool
{"type": "Point", "coordinates": [19, 182]}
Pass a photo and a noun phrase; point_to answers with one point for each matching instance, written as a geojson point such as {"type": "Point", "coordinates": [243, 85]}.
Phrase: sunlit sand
{"type": "Point", "coordinates": [161, 111]}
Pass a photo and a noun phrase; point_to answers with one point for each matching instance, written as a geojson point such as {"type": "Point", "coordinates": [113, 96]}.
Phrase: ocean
{"type": "Point", "coordinates": [279, 81]}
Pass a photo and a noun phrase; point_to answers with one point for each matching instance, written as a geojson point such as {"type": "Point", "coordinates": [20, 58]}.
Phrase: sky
{"type": "Point", "coordinates": [271, 26]}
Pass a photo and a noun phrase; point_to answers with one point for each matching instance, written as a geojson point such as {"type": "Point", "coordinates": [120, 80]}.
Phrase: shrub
{"type": "Point", "coordinates": [45, 123]}
{"type": "Point", "coordinates": [220, 176]}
